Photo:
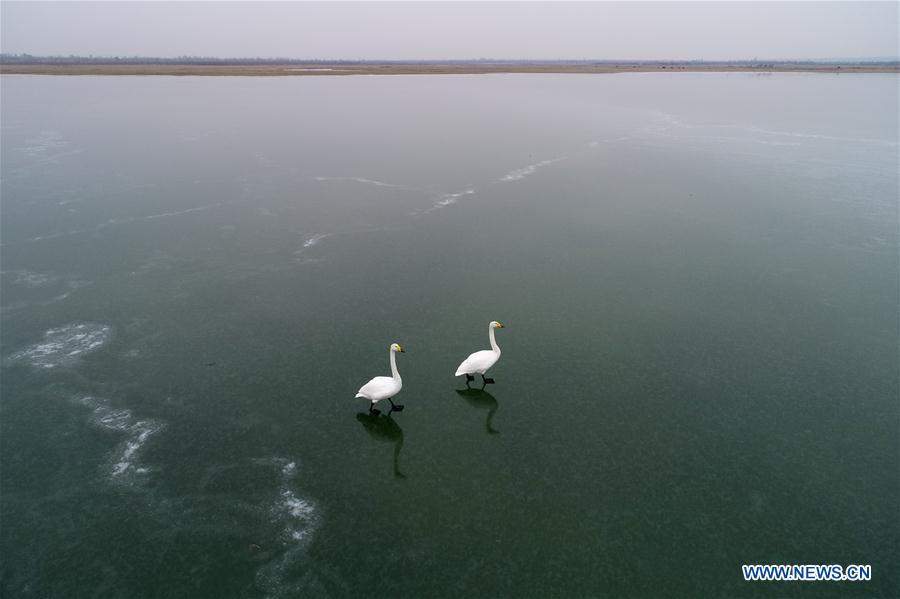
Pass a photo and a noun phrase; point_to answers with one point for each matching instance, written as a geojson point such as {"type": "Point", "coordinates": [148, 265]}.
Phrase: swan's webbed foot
{"type": "Point", "coordinates": [373, 411]}
{"type": "Point", "coordinates": [486, 381]}
{"type": "Point", "coordinates": [395, 407]}
{"type": "Point", "coordinates": [469, 379]}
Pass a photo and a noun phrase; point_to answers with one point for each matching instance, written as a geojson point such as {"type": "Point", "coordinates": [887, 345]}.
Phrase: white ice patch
{"type": "Point", "coordinates": [44, 282]}
{"type": "Point", "coordinates": [42, 142]}
{"type": "Point", "coordinates": [364, 181]}
{"type": "Point", "coordinates": [123, 460]}
{"type": "Point", "coordinates": [311, 241]}
{"type": "Point", "coordinates": [521, 173]}
{"type": "Point", "coordinates": [725, 138]}
{"type": "Point", "coordinates": [126, 454]}
{"type": "Point", "coordinates": [800, 135]}
{"type": "Point", "coordinates": [301, 512]}
{"type": "Point", "coordinates": [596, 144]}
{"type": "Point", "coordinates": [131, 219]}
{"type": "Point", "coordinates": [298, 517]}
{"type": "Point", "coordinates": [673, 122]}
{"type": "Point", "coordinates": [30, 279]}
{"type": "Point", "coordinates": [113, 222]}
{"type": "Point", "coordinates": [450, 198]}
{"type": "Point", "coordinates": [444, 200]}
{"type": "Point", "coordinates": [308, 244]}
{"type": "Point", "coordinates": [64, 346]}
{"type": "Point", "coordinates": [298, 514]}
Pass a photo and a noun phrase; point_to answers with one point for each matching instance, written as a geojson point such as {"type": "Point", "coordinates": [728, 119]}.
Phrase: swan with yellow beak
{"type": "Point", "coordinates": [481, 361]}
{"type": "Point", "coordinates": [384, 387]}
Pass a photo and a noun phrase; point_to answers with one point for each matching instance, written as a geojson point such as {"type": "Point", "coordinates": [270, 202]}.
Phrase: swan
{"type": "Point", "coordinates": [384, 387]}
{"type": "Point", "coordinates": [480, 361]}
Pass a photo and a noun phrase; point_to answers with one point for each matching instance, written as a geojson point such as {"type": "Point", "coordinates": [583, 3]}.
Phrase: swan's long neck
{"type": "Point", "coordinates": [494, 345]}
{"type": "Point", "coordinates": [394, 372]}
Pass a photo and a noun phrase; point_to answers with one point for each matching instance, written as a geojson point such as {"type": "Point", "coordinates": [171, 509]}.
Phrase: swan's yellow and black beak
{"type": "Point", "coordinates": [500, 325]}
{"type": "Point", "coordinates": [400, 347]}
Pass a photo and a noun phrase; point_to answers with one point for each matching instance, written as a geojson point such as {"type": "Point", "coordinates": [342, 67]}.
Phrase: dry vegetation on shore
{"type": "Point", "coordinates": [430, 68]}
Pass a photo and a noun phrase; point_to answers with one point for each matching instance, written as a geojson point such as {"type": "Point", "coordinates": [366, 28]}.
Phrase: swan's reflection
{"type": "Point", "coordinates": [479, 398]}
{"type": "Point", "coordinates": [384, 428]}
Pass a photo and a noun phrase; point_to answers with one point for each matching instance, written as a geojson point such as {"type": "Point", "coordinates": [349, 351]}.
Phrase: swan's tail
{"type": "Point", "coordinates": [359, 395]}
{"type": "Point", "coordinates": [459, 371]}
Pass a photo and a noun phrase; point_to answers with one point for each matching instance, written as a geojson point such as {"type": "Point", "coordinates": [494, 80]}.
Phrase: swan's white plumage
{"type": "Point", "coordinates": [481, 361]}
{"type": "Point", "coordinates": [381, 387]}
{"type": "Point", "coordinates": [478, 362]}
{"type": "Point", "coordinates": [384, 387]}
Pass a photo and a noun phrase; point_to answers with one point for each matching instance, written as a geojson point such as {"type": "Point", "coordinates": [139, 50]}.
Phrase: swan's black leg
{"type": "Point", "coordinates": [486, 381]}
{"type": "Point", "coordinates": [372, 410]}
{"type": "Point", "coordinates": [395, 408]}
{"type": "Point", "coordinates": [469, 379]}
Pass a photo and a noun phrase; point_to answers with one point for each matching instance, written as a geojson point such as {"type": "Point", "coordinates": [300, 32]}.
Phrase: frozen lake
{"type": "Point", "coordinates": [698, 274]}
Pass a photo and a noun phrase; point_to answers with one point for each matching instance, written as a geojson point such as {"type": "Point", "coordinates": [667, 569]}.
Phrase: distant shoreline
{"type": "Point", "coordinates": [391, 68]}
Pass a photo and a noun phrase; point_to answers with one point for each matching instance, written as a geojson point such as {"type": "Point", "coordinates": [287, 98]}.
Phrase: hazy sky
{"type": "Point", "coordinates": [423, 30]}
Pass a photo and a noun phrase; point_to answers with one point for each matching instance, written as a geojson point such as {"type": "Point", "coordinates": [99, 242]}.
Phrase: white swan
{"type": "Point", "coordinates": [480, 361]}
{"type": "Point", "coordinates": [384, 387]}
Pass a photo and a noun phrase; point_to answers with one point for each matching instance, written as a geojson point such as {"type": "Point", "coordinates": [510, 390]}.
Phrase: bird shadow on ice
{"type": "Point", "coordinates": [481, 399]}
{"type": "Point", "coordinates": [384, 428]}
